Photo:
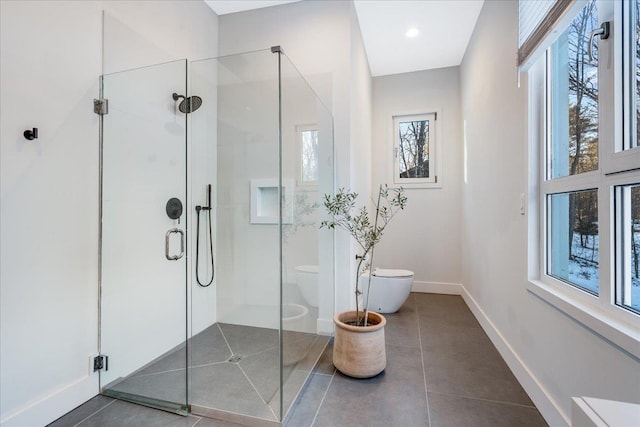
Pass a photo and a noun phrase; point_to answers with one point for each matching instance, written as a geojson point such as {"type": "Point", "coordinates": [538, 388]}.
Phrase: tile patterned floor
{"type": "Point", "coordinates": [234, 369]}
{"type": "Point", "coordinates": [442, 370]}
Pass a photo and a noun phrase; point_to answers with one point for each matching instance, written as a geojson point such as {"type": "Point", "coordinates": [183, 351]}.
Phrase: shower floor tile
{"type": "Point", "coordinates": [234, 369]}
{"type": "Point", "coordinates": [233, 391]}
{"type": "Point", "coordinates": [248, 340]}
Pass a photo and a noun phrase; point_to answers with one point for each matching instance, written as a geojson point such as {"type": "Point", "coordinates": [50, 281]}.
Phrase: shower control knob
{"type": "Point", "coordinates": [174, 208]}
{"type": "Point", "coordinates": [31, 134]}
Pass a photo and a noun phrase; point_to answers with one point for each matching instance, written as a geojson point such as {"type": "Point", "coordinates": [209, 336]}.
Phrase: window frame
{"type": "Point", "coordinates": [599, 313]}
{"type": "Point", "coordinates": [435, 148]}
{"type": "Point", "coordinates": [622, 239]}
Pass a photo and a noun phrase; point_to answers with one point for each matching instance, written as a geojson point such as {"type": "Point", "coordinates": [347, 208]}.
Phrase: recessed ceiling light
{"type": "Point", "coordinates": [412, 32]}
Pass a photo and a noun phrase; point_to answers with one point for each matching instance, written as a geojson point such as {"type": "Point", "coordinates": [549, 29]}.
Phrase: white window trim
{"type": "Point", "coordinates": [599, 314]}
{"type": "Point", "coordinates": [437, 148]}
{"type": "Point", "coordinates": [309, 185]}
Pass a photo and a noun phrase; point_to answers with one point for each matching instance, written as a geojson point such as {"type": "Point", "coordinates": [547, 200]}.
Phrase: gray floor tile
{"type": "Point", "coordinates": [443, 309]}
{"type": "Point", "coordinates": [295, 348]}
{"type": "Point", "coordinates": [457, 411]}
{"type": "Point", "coordinates": [263, 369]}
{"type": "Point", "coordinates": [436, 336]}
{"type": "Point", "coordinates": [402, 326]}
{"type": "Point", "coordinates": [304, 411]}
{"type": "Point", "coordinates": [395, 397]}
{"type": "Point", "coordinates": [168, 386]}
{"type": "Point", "coordinates": [292, 387]}
{"type": "Point", "coordinates": [313, 355]}
{"type": "Point", "coordinates": [462, 361]}
{"type": "Point", "coordinates": [325, 363]}
{"type": "Point", "coordinates": [209, 346]}
{"type": "Point", "coordinates": [466, 378]}
{"type": "Point", "coordinates": [120, 414]}
{"type": "Point", "coordinates": [245, 340]}
{"type": "Point", "coordinates": [169, 362]}
{"type": "Point", "coordinates": [81, 412]}
{"type": "Point", "coordinates": [209, 422]}
{"type": "Point", "coordinates": [223, 386]}
{"type": "Point", "coordinates": [206, 347]}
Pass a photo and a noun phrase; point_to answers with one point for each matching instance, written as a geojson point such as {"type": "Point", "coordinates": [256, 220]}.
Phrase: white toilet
{"type": "Point", "coordinates": [389, 289]}
{"type": "Point", "coordinates": [307, 279]}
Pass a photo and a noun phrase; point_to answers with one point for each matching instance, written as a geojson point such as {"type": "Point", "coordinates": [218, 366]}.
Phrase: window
{"type": "Point", "coordinates": [628, 239]}
{"type": "Point", "coordinates": [588, 229]}
{"type": "Point", "coordinates": [572, 241]}
{"type": "Point", "coordinates": [415, 149]}
{"type": "Point", "coordinates": [307, 137]}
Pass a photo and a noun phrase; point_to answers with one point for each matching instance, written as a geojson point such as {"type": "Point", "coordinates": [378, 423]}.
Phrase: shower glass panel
{"type": "Point", "coordinates": [235, 358]}
{"type": "Point", "coordinates": [307, 251]}
{"type": "Point", "coordinates": [252, 352]}
{"type": "Point", "coordinates": [143, 259]}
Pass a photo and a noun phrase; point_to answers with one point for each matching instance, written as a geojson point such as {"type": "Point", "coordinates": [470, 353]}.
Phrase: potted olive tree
{"type": "Point", "coordinates": [359, 347]}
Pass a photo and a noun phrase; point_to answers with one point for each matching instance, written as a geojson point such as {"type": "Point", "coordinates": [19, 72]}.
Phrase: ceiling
{"type": "Point", "coordinates": [444, 28]}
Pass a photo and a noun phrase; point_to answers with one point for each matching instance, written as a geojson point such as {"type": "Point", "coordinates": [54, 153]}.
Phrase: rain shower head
{"type": "Point", "coordinates": [188, 105]}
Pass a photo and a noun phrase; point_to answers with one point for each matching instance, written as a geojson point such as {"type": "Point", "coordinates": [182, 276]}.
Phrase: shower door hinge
{"type": "Point", "coordinates": [101, 106]}
{"type": "Point", "coordinates": [100, 362]}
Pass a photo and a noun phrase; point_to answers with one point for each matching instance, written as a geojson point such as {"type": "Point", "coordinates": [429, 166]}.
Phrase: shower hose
{"type": "Point", "coordinates": [208, 209]}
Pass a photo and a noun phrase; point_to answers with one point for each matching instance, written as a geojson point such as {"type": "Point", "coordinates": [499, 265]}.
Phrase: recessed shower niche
{"type": "Point", "coordinates": [265, 201]}
{"type": "Point", "coordinates": [241, 348]}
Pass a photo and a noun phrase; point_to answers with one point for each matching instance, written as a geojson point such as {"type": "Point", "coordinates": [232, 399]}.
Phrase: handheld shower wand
{"type": "Point", "coordinates": [208, 209]}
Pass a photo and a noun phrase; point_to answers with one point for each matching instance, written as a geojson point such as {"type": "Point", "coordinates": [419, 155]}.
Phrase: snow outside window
{"type": "Point", "coordinates": [588, 229]}
{"type": "Point", "coordinates": [572, 153]}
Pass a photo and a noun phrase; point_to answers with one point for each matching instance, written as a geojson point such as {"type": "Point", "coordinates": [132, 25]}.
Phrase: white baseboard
{"type": "Point", "coordinates": [52, 406]}
{"type": "Point", "coordinates": [436, 288]}
{"type": "Point", "coordinates": [325, 326]}
{"type": "Point", "coordinates": [547, 406]}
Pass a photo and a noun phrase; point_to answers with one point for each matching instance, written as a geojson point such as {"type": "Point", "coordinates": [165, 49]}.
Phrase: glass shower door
{"type": "Point", "coordinates": [143, 237]}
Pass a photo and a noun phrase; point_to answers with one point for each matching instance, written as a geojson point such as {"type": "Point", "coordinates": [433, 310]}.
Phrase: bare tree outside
{"type": "Point", "coordinates": [576, 77]}
{"type": "Point", "coordinates": [574, 150]}
{"type": "Point", "coordinates": [583, 124]}
{"type": "Point", "coordinates": [413, 149]}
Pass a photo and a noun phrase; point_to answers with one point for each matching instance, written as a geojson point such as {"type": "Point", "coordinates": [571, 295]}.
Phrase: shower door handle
{"type": "Point", "coordinates": [166, 244]}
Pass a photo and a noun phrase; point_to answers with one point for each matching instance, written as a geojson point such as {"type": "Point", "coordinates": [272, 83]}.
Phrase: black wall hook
{"type": "Point", "coordinates": [31, 134]}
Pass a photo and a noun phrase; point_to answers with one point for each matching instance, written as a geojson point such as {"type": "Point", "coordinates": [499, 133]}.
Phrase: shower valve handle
{"type": "Point", "coordinates": [31, 134]}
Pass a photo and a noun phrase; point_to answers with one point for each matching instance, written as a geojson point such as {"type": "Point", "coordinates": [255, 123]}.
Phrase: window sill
{"type": "Point", "coordinates": [620, 333]}
{"type": "Point", "coordinates": [418, 185]}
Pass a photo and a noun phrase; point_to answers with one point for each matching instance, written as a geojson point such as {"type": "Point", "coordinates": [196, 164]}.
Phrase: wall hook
{"type": "Point", "coordinates": [31, 134]}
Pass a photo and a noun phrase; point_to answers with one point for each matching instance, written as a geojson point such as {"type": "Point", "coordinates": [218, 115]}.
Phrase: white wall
{"type": "Point", "coordinates": [248, 266]}
{"type": "Point", "coordinates": [321, 40]}
{"type": "Point", "coordinates": [425, 237]}
{"type": "Point", "coordinates": [361, 88]}
{"type": "Point", "coordinates": [551, 354]}
{"type": "Point", "coordinates": [51, 60]}
{"type": "Point", "coordinates": [248, 252]}
{"type": "Point", "coordinates": [202, 165]}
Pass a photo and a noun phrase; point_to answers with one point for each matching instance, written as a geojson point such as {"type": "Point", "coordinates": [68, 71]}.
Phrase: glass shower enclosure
{"type": "Point", "coordinates": [143, 264]}
{"type": "Point", "coordinates": [260, 142]}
